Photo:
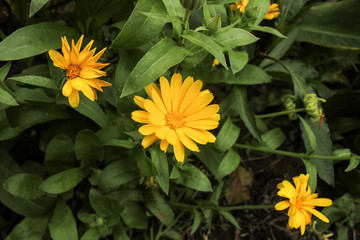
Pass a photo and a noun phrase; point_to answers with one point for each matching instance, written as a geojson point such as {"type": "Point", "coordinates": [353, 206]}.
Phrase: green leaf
{"type": "Point", "coordinates": [249, 75]}
{"type": "Point", "coordinates": [159, 208]}
{"type": "Point", "coordinates": [145, 164]}
{"type": "Point", "coordinates": [161, 164]}
{"type": "Point", "coordinates": [332, 24]}
{"type": "Point", "coordinates": [59, 154]}
{"type": "Point", "coordinates": [227, 136]}
{"type": "Point", "coordinates": [273, 138]}
{"type": "Point", "coordinates": [63, 181]}
{"type": "Point", "coordinates": [290, 8]}
{"type": "Point", "coordinates": [163, 17]}
{"type": "Point", "coordinates": [24, 185]}
{"type": "Point", "coordinates": [118, 173]}
{"type": "Point", "coordinates": [119, 233]}
{"type": "Point", "coordinates": [62, 224]}
{"type": "Point", "coordinates": [92, 110]}
{"type": "Point", "coordinates": [230, 218]}
{"type": "Point", "coordinates": [36, 5]}
{"type": "Point", "coordinates": [126, 195]}
{"type": "Point", "coordinates": [243, 109]}
{"type": "Point", "coordinates": [37, 81]}
{"type": "Point", "coordinates": [191, 177]}
{"type": "Point", "coordinates": [134, 215]}
{"type": "Point", "coordinates": [140, 29]}
{"type": "Point", "coordinates": [4, 70]}
{"type": "Point", "coordinates": [267, 30]}
{"type": "Point", "coordinates": [33, 94]}
{"type": "Point", "coordinates": [210, 158]}
{"type": "Point", "coordinates": [99, 203]}
{"type": "Point", "coordinates": [91, 234]}
{"type": "Point", "coordinates": [261, 7]}
{"type": "Point", "coordinates": [238, 60]}
{"type": "Point", "coordinates": [29, 229]}
{"type": "Point", "coordinates": [197, 221]}
{"type": "Point", "coordinates": [7, 98]}
{"type": "Point", "coordinates": [207, 43]}
{"type": "Point", "coordinates": [311, 170]}
{"type": "Point", "coordinates": [233, 37]}
{"type": "Point", "coordinates": [88, 148]}
{"type": "Point", "coordinates": [33, 40]}
{"type": "Point", "coordinates": [354, 162]}
{"type": "Point", "coordinates": [228, 164]}
{"type": "Point", "coordinates": [155, 63]}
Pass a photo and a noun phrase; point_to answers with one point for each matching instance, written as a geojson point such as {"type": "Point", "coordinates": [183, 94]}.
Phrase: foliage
{"type": "Point", "coordinates": [81, 173]}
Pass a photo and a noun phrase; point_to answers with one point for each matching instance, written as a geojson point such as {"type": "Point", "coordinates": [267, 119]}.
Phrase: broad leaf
{"type": "Point", "coordinates": [273, 138]}
{"type": "Point", "coordinates": [161, 164]}
{"type": "Point", "coordinates": [118, 173]}
{"type": "Point", "coordinates": [24, 185]}
{"type": "Point", "coordinates": [36, 5]}
{"type": "Point", "coordinates": [238, 60]}
{"type": "Point", "coordinates": [88, 148]}
{"type": "Point", "coordinates": [233, 37]}
{"type": "Point", "coordinates": [227, 136]}
{"type": "Point", "coordinates": [62, 224]}
{"type": "Point", "coordinates": [29, 229]}
{"type": "Point", "coordinates": [228, 164]}
{"type": "Point", "coordinates": [159, 208]}
{"type": "Point", "coordinates": [190, 176]}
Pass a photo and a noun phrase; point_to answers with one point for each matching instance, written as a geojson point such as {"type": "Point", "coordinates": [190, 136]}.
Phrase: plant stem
{"type": "Point", "coordinates": [185, 27]}
{"type": "Point", "coordinates": [292, 154]}
{"type": "Point", "coordinates": [242, 207]}
{"type": "Point", "coordinates": [280, 113]}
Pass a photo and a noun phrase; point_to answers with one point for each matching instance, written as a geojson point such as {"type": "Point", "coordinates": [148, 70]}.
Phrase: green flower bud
{"type": "Point", "coordinates": [192, 5]}
{"type": "Point", "coordinates": [312, 108]}
{"type": "Point", "coordinates": [99, 221]}
{"type": "Point", "coordinates": [289, 105]}
{"type": "Point", "coordinates": [214, 24]}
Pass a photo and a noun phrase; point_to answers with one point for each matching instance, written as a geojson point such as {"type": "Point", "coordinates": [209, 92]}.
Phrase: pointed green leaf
{"type": "Point", "coordinates": [311, 170]}
{"type": "Point", "coordinates": [161, 164]}
{"type": "Point", "coordinates": [62, 224]}
{"type": "Point", "coordinates": [159, 208]}
{"type": "Point", "coordinates": [208, 44]}
{"type": "Point", "coordinates": [36, 5]}
{"type": "Point", "coordinates": [118, 173]}
{"type": "Point", "coordinates": [234, 37]}
{"type": "Point", "coordinates": [33, 40]}
{"type": "Point", "coordinates": [134, 215]}
{"type": "Point", "coordinates": [267, 30]}
{"type": "Point", "coordinates": [273, 138]}
{"type": "Point", "coordinates": [192, 177]}
{"type": "Point", "coordinates": [7, 98]}
{"type": "Point", "coordinates": [197, 221]}
{"type": "Point", "coordinates": [230, 218]}
{"type": "Point", "coordinates": [155, 63]}
{"type": "Point", "coordinates": [24, 185]}
{"type": "Point", "coordinates": [228, 164]}
{"type": "Point", "coordinates": [63, 181]}
{"type": "Point", "coordinates": [4, 70]}
{"type": "Point", "coordinates": [238, 60]}
{"type": "Point", "coordinates": [227, 136]}
{"type": "Point", "coordinates": [354, 162]}
{"type": "Point", "coordinates": [38, 81]}
{"type": "Point", "coordinates": [88, 148]}
{"type": "Point", "coordinates": [29, 229]}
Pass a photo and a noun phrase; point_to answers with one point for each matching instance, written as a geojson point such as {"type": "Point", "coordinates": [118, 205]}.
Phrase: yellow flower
{"type": "Point", "coordinates": [239, 5]}
{"type": "Point", "coordinates": [82, 70]}
{"type": "Point", "coordinates": [215, 62]}
{"type": "Point", "coordinates": [273, 12]}
{"type": "Point", "coordinates": [177, 114]}
{"type": "Point", "coordinates": [301, 202]}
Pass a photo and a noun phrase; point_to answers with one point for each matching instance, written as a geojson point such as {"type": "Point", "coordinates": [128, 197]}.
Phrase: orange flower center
{"type": "Point", "coordinates": [73, 71]}
{"type": "Point", "coordinates": [298, 203]}
{"type": "Point", "coordinates": [174, 120]}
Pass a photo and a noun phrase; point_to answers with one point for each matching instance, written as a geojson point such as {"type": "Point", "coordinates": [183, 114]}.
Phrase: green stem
{"type": "Point", "coordinates": [280, 113]}
{"type": "Point", "coordinates": [292, 154]}
{"type": "Point", "coordinates": [242, 207]}
{"type": "Point", "coordinates": [160, 233]}
{"type": "Point", "coordinates": [185, 27]}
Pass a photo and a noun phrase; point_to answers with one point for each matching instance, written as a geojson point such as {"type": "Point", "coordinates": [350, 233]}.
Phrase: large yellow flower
{"type": "Point", "coordinates": [272, 13]}
{"type": "Point", "coordinates": [301, 202]}
{"type": "Point", "coordinates": [177, 114]}
{"type": "Point", "coordinates": [82, 70]}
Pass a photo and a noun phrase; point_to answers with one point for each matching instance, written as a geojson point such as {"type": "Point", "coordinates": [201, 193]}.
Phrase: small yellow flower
{"type": "Point", "coordinates": [239, 5]}
{"type": "Point", "coordinates": [82, 70]}
{"type": "Point", "coordinates": [215, 62]}
{"type": "Point", "coordinates": [178, 114]}
{"type": "Point", "coordinates": [301, 202]}
{"type": "Point", "coordinates": [273, 12]}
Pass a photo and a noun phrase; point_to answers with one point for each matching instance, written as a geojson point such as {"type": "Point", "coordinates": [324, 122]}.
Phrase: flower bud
{"type": "Point", "coordinates": [214, 24]}
{"type": "Point", "coordinates": [312, 108]}
{"type": "Point", "coordinates": [289, 105]}
{"type": "Point", "coordinates": [192, 5]}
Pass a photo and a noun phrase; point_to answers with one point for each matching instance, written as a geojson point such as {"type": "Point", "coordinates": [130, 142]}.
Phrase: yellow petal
{"type": "Point", "coordinates": [67, 88]}
{"type": "Point", "coordinates": [164, 145]}
{"type": "Point", "coordinates": [139, 101]}
{"type": "Point", "coordinates": [94, 59]}
{"type": "Point", "coordinates": [282, 205]}
{"type": "Point", "coordinates": [202, 100]}
{"type": "Point", "coordinates": [93, 84]}
{"type": "Point", "coordinates": [166, 93]}
{"type": "Point", "coordinates": [65, 49]}
{"type": "Point", "coordinates": [157, 119]}
{"type": "Point", "coordinates": [148, 129]}
{"type": "Point", "coordinates": [321, 202]}
{"type": "Point", "coordinates": [140, 116]}
{"type": "Point", "coordinates": [195, 134]}
{"type": "Point", "coordinates": [316, 213]}
{"type": "Point", "coordinates": [176, 82]}
{"type": "Point", "coordinates": [186, 140]}
{"type": "Point", "coordinates": [148, 140]}
{"type": "Point", "coordinates": [89, 73]}
{"type": "Point", "coordinates": [74, 98]}
{"type": "Point", "coordinates": [158, 101]}
{"type": "Point", "coordinates": [203, 124]}
{"type": "Point", "coordinates": [80, 85]}
{"type": "Point", "coordinates": [153, 109]}
{"type": "Point", "coordinates": [58, 59]}
{"type": "Point", "coordinates": [191, 95]}
{"type": "Point", "coordinates": [179, 152]}
{"type": "Point", "coordinates": [149, 89]}
{"type": "Point", "coordinates": [183, 90]}
{"type": "Point", "coordinates": [172, 137]}
{"type": "Point", "coordinates": [102, 83]}
{"type": "Point", "coordinates": [204, 113]}
{"type": "Point", "coordinates": [211, 138]}
{"type": "Point", "coordinates": [161, 132]}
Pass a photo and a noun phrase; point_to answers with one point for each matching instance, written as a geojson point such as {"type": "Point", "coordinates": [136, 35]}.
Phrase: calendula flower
{"type": "Point", "coordinates": [239, 5]}
{"type": "Point", "coordinates": [177, 113]}
{"type": "Point", "coordinates": [83, 70]}
{"type": "Point", "coordinates": [301, 202]}
{"type": "Point", "coordinates": [215, 62]}
{"type": "Point", "coordinates": [273, 12]}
